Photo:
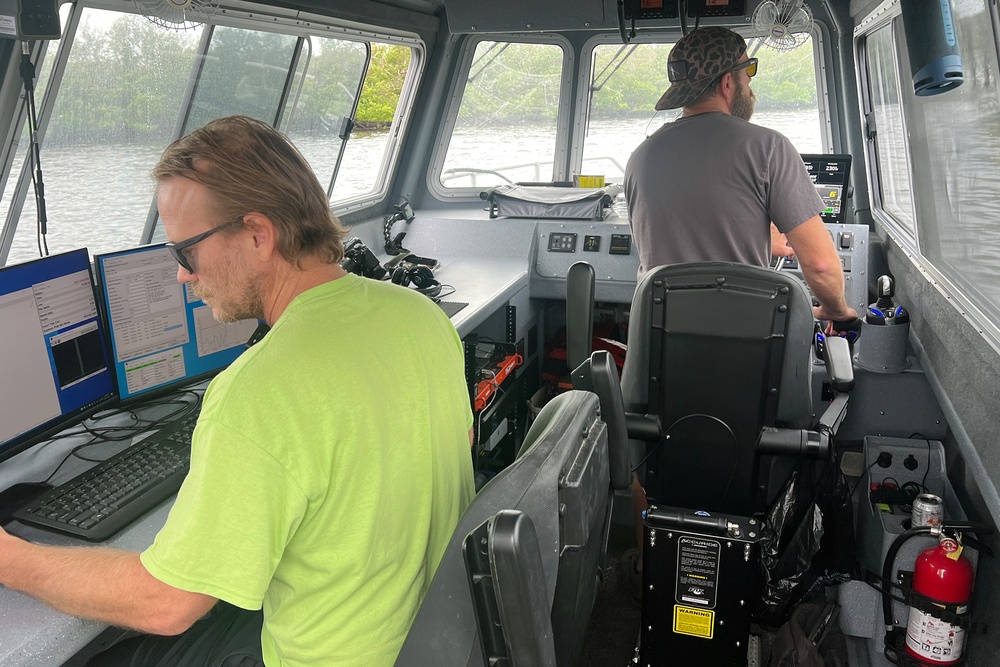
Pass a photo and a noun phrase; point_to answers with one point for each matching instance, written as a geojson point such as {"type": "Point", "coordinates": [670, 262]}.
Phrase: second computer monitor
{"type": "Point", "coordinates": [162, 335]}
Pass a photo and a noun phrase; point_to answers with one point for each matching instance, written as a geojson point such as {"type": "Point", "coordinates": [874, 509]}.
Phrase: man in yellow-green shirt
{"type": "Point", "coordinates": [331, 461]}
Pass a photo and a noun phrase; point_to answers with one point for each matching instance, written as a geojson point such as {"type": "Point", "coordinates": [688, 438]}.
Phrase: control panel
{"type": "Point", "coordinates": [562, 242]}
{"type": "Point", "coordinates": [852, 245]}
{"type": "Point", "coordinates": [606, 246]}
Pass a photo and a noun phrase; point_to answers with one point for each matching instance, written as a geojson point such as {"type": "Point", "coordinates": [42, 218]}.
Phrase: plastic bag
{"type": "Point", "coordinates": [808, 540]}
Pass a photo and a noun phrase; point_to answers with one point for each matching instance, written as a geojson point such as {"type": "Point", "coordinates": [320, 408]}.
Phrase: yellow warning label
{"type": "Point", "coordinates": [694, 622]}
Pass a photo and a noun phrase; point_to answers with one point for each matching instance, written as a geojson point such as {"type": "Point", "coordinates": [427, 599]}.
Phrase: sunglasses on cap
{"type": "Point", "coordinates": [179, 250]}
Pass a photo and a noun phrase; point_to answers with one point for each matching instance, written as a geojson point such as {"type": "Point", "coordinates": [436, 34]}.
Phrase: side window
{"type": "Point", "coordinates": [955, 140]}
{"type": "Point", "coordinates": [361, 171]}
{"type": "Point", "coordinates": [323, 95]}
{"type": "Point", "coordinates": [886, 133]}
{"type": "Point", "coordinates": [626, 81]}
{"type": "Point", "coordinates": [128, 83]}
{"type": "Point", "coordinates": [507, 123]}
{"type": "Point", "coordinates": [115, 113]}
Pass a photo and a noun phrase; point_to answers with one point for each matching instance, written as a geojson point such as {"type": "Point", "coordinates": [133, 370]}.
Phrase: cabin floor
{"type": "Point", "coordinates": [614, 623]}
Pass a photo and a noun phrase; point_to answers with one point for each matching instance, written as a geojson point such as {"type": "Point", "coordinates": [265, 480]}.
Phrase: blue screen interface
{"type": "Point", "coordinates": [162, 335]}
{"type": "Point", "coordinates": [54, 362]}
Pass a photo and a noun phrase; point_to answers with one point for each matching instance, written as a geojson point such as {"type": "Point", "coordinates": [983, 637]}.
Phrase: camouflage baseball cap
{"type": "Point", "coordinates": [695, 62]}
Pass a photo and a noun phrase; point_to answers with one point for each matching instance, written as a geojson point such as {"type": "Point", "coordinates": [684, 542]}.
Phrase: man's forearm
{"type": "Point", "coordinates": [820, 265]}
{"type": "Point", "coordinates": [100, 584]}
{"type": "Point", "coordinates": [827, 284]}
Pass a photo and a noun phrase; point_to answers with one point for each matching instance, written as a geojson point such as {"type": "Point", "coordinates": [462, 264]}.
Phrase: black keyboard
{"type": "Point", "coordinates": [104, 499]}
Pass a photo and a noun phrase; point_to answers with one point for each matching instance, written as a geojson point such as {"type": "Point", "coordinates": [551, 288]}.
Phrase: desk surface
{"type": "Point", "coordinates": [485, 284]}
{"type": "Point", "coordinates": [32, 634]}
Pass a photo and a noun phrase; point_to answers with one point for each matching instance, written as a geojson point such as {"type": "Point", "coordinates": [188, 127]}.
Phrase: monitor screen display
{"type": "Point", "coordinates": [831, 175]}
{"type": "Point", "coordinates": [53, 352]}
{"type": "Point", "coordinates": [162, 335]}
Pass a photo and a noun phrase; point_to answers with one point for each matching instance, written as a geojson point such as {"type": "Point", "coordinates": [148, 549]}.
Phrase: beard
{"type": "Point", "coordinates": [744, 102]}
{"type": "Point", "coordinates": [239, 294]}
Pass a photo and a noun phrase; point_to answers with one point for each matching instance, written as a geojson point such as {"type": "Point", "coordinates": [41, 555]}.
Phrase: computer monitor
{"type": "Point", "coordinates": [162, 336]}
{"type": "Point", "coordinates": [831, 174]}
{"type": "Point", "coordinates": [54, 361]}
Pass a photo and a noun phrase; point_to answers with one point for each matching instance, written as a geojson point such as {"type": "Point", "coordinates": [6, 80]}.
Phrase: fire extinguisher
{"type": "Point", "coordinates": [942, 573]}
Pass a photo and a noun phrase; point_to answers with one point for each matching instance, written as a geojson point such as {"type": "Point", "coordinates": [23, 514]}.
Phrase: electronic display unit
{"type": "Point", "coordinates": [162, 336]}
{"type": "Point", "coordinates": [831, 174]}
{"type": "Point", "coordinates": [54, 359]}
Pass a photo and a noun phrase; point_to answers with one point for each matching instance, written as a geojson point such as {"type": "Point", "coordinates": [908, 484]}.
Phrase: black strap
{"type": "Point", "coordinates": [945, 611]}
{"type": "Point", "coordinates": [776, 353]}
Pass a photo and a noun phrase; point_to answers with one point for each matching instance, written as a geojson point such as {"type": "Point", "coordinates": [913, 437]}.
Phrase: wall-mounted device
{"type": "Point", "coordinates": [932, 47]}
{"type": "Point", "coordinates": [651, 9]}
{"type": "Point", "coordinates": [29, 19]}
{"type": "Point", "coordinates": [700, 8]}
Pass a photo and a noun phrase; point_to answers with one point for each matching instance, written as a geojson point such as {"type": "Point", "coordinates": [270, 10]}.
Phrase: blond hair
{"type": "Point", "coordinates": [248, 166]}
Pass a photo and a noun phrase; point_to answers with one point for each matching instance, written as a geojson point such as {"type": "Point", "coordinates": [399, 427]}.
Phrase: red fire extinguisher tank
{"type": "Point", "coordinates": [943, 573]}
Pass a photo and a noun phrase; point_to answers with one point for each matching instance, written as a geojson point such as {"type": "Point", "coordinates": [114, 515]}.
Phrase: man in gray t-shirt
{"type": "Point", "coordinates": [711, 186]}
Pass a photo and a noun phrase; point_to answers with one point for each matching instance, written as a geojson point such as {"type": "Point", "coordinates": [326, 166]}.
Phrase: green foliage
{"type": "Point", "coordinates": [380, 94]}
{"type": "Point", "coordinates": [510, 81]}
{"type": "Point", "coordinates": [330, 86]}
{"type": "Point", "coordinates": [124, 83]}
{"type": "Point", "coordinates": [785, 80]}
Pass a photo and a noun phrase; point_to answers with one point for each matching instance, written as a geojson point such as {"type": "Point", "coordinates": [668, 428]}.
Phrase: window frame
{"type": "Point", "coordinates": [444, 135]}
{"type": "Point", "coordinates": [877, 21]}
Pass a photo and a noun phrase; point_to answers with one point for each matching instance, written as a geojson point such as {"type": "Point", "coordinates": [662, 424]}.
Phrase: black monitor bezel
{"type": "Point", "coordinates": [44, 431]}
{"type": "Point", "coordinates": [844, 158]}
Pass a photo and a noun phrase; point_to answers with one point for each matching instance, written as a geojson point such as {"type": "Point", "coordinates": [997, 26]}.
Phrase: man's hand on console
{"type": "Point", "coordinates": [846, 323]}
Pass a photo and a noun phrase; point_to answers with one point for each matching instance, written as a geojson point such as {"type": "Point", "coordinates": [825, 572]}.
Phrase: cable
{"type": "Point", "coordinates": [66, 458]}
{"type": "Point", "coordinates": [666, 435]}
{"type": "Point", "coordinates": [442, 295]}
{"type": "Point", "coordinates": [923, 482]}
{"type": "Point", "coordinates": [109, 434]}
{"type": "Point", "coordinates": [27, 71]}
{"type": "Point", "coordinates": [861, 479]}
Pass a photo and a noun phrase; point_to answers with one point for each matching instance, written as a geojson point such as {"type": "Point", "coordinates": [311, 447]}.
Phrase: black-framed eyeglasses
{"type": "Point", "coordinates": [179, 249]}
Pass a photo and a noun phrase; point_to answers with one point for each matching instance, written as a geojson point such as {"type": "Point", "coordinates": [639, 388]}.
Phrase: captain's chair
{"type": "Point", "coordinates": [533, 598]}
{"type": "Point", "coordinates": [718, 381]}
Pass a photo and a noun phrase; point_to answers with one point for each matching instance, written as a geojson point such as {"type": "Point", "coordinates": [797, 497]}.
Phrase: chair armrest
{"type": "Point", "coordinates": [579, 313]}
{"type": "Point", "coordinates": [504, 564]}
{"type": "Point", "coordinates": [837, 355]}
{"type": "Point", "coordinates": [598, 374]}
